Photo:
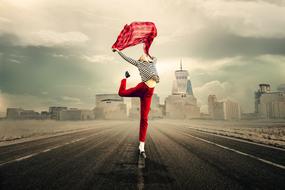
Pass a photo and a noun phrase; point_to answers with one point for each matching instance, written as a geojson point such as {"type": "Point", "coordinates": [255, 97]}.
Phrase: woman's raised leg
{"type": "Point", "coordinates": [136, 91]}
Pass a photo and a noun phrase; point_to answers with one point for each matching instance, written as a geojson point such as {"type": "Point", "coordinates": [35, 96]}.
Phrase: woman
{"type": "Point", "coordinates": [144, 90]}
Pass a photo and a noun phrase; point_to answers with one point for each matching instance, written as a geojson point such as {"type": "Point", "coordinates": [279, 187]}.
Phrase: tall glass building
{"type": "Point", "coordinates": [182, 84]}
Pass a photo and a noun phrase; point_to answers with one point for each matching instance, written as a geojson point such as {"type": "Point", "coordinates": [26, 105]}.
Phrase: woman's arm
{"type": "Point", "coordinates": [128, 59]}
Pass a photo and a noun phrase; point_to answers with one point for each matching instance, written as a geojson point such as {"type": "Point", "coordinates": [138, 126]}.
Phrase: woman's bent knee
{"type": "Point", "coordinates": [121, 94]}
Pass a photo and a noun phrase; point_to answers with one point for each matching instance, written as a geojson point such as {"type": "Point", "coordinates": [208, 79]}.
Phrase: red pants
{"type": "Point", "coordinates": [145, 93]}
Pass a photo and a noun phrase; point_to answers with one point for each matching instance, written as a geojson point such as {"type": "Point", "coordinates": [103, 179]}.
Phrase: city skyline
{"type": "Point", "coordinates": [58, 53]}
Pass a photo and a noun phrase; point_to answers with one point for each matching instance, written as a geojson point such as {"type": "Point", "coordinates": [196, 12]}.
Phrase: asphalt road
{"type": "Point", "coordinates": [106, 158]}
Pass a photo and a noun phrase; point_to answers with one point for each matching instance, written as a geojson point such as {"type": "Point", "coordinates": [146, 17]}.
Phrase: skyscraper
{"type": "Point", "coordinates": [182, 83]}
{"type": "Point", "coordinates": [181, 104]}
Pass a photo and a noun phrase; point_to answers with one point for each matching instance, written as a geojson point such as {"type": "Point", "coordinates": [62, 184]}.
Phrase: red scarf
{"type": "Point", "coordinates": [135, 33]}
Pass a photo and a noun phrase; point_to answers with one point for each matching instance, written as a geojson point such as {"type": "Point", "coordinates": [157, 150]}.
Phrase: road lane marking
{"type": "Point", "coordinates": [37, 153]}
{"type": "Point", "coordinates": [26, 157]}
{"type": "Point", "coordinates": [49, 149]}
{"type": "Point", "coordinates": [237, 151]}
{"type": "Point", "coordinates": [236, 139]}
{"type": "Point", "coordinates": [56, 134]}
{"type": "Point", "coordinates": [141, 162]}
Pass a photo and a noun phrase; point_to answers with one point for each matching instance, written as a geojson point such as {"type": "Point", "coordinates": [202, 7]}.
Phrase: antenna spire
{"type": "Point", "coordinates": [180, 64]}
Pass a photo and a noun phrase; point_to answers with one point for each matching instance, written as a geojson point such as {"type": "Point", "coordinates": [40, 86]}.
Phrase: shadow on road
{"type": "Point", "coordinates": [128, 173]}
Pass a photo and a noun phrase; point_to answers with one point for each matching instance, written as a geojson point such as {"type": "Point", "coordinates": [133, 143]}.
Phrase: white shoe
{"type": "Point", "coordinates": [142, 153]}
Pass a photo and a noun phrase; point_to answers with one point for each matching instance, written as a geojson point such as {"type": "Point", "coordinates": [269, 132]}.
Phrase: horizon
{"type": "Point", "coordinates": [127, 101]}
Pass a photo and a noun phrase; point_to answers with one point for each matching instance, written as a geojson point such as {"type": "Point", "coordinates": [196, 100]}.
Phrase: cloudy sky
{"type": "Point", "coordinates": [58, 52]}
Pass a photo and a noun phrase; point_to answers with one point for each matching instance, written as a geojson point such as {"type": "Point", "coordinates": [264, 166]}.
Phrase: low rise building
{"type": "Point", "coordinates": [270, 104]}
{"type": "Point", "coordinates": [110, 106]}
{"type": "Point", "coordinates": [223, 110]}
{"type": "Point", "coordinates": [55, 110]}
{"type": "Point", "coordinates": [76, 114]}
{"type": "Point", "coordinates": [181, 107]}
{"type": "Point", "coordinates": [21, 114]}
{"type": "Point", "coordinates": [45, 115]}
{"type": "Point", "coordinates": [13, 113]}
{"type": "Point", "coordinates": [277, 109]}
{"type": "Point", "coordinates": [30, 115]}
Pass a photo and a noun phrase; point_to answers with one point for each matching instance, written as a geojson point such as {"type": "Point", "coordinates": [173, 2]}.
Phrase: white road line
{"type": "Point", "coordinates": [26, 157]}
{"type": "Point", "coordinates": [237, 151]}
{"type": "Point", "coordinates": [237, 139]}
{"type": "Point", "coordinates": [49, 149]}
{"type": "Point", "coordinates": [4, 163]}
{"type": "Point", "coordinates": [46, 150]}
{"type": "Point", "coordinates": [19, 159]}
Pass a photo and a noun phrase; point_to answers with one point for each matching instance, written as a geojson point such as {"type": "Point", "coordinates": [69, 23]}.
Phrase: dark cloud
{"type": "Point", "coordinates": [52, 75]}
{"type": "Point", "coordinates": [33, 69]}
{"type": "Point", "coordinates": [215, 44]}
{"type": "Point", "coordinates": [36, 70]}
